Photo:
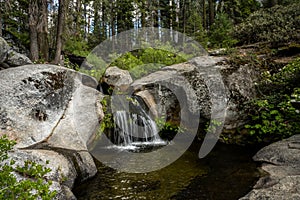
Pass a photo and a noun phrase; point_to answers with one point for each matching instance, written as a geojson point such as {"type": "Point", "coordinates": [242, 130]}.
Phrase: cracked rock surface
{"type": "Point", "coordinates": [52, 114]}
{"type": "Point", "coordinates": [281, 161]}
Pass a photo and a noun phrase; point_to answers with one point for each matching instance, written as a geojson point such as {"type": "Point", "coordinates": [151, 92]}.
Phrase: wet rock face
{"type": "Point", "coordinates": [51, 110]}
{"type": "Point", "coordinates": [10, 58]}
{"type": "Point", "coordinates": [281, 161]}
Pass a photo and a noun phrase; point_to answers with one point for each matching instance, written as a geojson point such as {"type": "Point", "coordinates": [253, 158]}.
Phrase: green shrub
{"type": "Point", "coordinates": [276, 25]}
{"type": "Point", "coordinates": [33, 187]}
{"type": "Point", "coordinates": [127, 61]}
{"type": "Point", "coordinates": [273, 116]}
{"type": "Point", "coordinates": [76, 46]}
{"type": "Point", "coordinates": [167, 129]}
{"type": "Point", "coordinates": [142, 62]}
{"type": "Point", "coordinates": [151, 55]}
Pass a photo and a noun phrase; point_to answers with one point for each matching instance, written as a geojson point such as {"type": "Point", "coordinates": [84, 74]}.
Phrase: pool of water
{"type": "Point", "coordinates": [227, 173]}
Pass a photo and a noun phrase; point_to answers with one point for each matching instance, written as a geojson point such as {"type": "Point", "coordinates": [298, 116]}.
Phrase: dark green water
{"type": "Point", "coordinates": [227, 173]}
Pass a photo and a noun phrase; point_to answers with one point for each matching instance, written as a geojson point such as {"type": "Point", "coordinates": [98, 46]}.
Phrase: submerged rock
{"type": "Point", "coordinates": [52, 115]}
{"type": "Point", "coordinates": [281, 161]}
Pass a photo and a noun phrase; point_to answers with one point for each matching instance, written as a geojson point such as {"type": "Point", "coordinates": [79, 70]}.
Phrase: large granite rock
{"type": "Point", "coordinates": [116, 79]}
{"type": "Point", "coordinates": [52, 115]}
{"type": "Point", "coordinates": [281, 161]}
{"type": "Point", "coordinates": [9, 57]}
{"type": "Point", "coordinates": [208, 83]}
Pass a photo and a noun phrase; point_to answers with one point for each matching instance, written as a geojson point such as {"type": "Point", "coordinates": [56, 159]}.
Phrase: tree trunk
{"type": "Point", "coordinates": [143, 14]}
{"type": "Point", "coordinates": [211, 12]}
{"type": "Point", "coordinates": [42, 30]}
{"type": "Point", "coordinates": [33, 15]}
{"type": "Point", "coordinates": [78, 18]}
{"type": "Point", "coordinates": [60, 28]}
{"type": "Point", "coordinates": [204, 14]}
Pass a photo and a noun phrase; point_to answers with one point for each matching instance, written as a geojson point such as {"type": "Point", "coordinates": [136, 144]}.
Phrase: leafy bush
{"type": "Point", "coordinates": [127, 61]}
{"type": "Point", "coordinates": [238, 10]}
{"type": "Point", "coordinates": [167, 129]}
{"type": "Point", "coordinates": [270, 3]}
{"type": "Point", "coordinates": [76, 46]}
{"type": "Point", "coordinates": [142, 62]}
{"type": "Point", "coordinates": [33, 187]}
{"type": "Point", "coordinates": [276, 25]}
{"type": "Point", "coordinates": [273, 116]}
{"type": "Point", "coordinates": [151, 55]}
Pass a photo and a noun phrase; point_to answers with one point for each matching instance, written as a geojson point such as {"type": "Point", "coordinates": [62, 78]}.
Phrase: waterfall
{"type": "Point", "coordinates": [132, 129]}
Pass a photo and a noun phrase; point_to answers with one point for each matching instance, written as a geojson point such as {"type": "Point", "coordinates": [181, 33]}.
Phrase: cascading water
{"type": "Point", "coordinates": [135, 129]}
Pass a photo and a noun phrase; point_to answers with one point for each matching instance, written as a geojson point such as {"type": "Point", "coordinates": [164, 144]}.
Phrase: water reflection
{"type": "Point", "coordinates": [227, 173]}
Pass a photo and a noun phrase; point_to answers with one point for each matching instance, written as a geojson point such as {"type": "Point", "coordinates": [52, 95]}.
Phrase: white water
{"type": "Point", "coordinates": [133, 130]}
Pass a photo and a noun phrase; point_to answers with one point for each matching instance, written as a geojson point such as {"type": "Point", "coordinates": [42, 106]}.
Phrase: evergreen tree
{"type": "Point", "coordinates": [220, 32]}
{"type": "Point", "coordinates": [124, 15]}
{"type": "Point", "coordinates": [195, 29]}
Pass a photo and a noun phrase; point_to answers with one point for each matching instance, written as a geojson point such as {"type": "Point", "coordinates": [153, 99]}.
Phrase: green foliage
{"type": "Point", "coordinates": [273, 116]}
{"type": "Point", "coordinates": [296, 95]}
{"type": "Point", "coordinates": [195, 29]}
{"type": "Point", "coordinates": [143, 62]}
{"type": "Point", "coordinates": [273, 120]}
{"type": "Point", "coordinates": [12, 13]}
{"type": "Point", "coordinates": [70, 65]}
{"type": "Point", "coordinates": [75, 46]}
{"type": "Point", "coordinates": [5, 146]}
{"type": "Point", "coordinates": [127, 61]}
{"type": "Point", "coordinates": [275, 25]}
{"type": "Point", "coordinates": [238, 10]}
{"type": "Point", "coordinates": [151, 55]}
{"type": "Point", "coordinates": [270, 3]}
{"type": "Point", "coordinates": [284, 81]}
{"type": "Point", "coordinates": [97, 65]}
{"type": "Point", "coordinates": [212, 126]}
{"type": "Point", "coordinates": [33, 187]}
{"type": "Point", "coordinates": [167, 130]}
{"type": "Point", "coordinates": [107, 122]}
{"type": "Point", "coordinates": [220, 32]}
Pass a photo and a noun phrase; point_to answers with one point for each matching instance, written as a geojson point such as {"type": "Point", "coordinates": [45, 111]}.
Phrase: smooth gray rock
{"type": "Point", "coordinates": [207, 83]}
{"type": "Point", "coordinates": [16, 59]}
{"type": "Point", "coordinates": [10, 58]}
{"type": "Point", "coordinates": [4, 48]}
{"type": "Point", "coordinates": [281, 161]}
{"type": "Point", "coordinates": [49, 111]}
{"type": "Point", "coordinates": [117, 78]}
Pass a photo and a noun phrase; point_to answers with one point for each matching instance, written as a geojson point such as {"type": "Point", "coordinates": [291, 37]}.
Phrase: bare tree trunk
{"type": "Point", "coordinates": [78, 18]}
{"type": "Point", "coordinates": [211, 12]}
{"type": "Point", "coordinates": [60, 28]}
{"type": "Point", "coordinates": [42, 30]}
{"type": "Point", "coordinates": [33, 15]}
{"type": "Point", "coordinates": [143, 14]}
{"type": "Point", "coordinates": [204, 14]}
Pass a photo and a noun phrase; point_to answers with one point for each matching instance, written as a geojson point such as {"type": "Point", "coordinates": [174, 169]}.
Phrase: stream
{"type": "Point", "coordinates": [227, 173]}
